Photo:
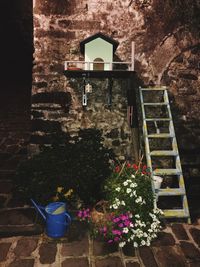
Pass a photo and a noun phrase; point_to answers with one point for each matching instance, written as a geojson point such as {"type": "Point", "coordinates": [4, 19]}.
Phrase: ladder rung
{"type": "Point", "coordinates": [153, 89]}
{"type": "Point", "coordinates": [171, 192]}
{"type": "Point", "coordinates": [176, 213]}
{"type": "Point", "coordinates": [156, 104]}
{"type": "Point", "coordinates": [167, 172]}
{"type": "Point", "coordinates": [161, 135]}
{"type": "Point", "coordinates": [163, 153]}
{"type": "Point", "coordinates": [157, 119]}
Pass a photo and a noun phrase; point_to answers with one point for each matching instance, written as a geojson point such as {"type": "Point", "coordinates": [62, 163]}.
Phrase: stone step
{"type": "Point", "coordinates": [6, 174]}
{"type": "Point", "coordinates": [20, 221]}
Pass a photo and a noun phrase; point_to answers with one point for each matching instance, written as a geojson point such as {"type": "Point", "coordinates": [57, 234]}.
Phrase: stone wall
{"type": "Point", "coordinates": [166, 53]}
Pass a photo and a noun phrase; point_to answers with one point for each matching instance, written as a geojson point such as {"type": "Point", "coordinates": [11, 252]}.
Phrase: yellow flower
{"type": "Point", "coordinates": [59, 189]}
{"type": "Point", "coordinates": [68, 193]}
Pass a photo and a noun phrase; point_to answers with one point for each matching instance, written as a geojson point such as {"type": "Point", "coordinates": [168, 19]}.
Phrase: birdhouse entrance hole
{"type": "Point", "coordinates": [98, 64]}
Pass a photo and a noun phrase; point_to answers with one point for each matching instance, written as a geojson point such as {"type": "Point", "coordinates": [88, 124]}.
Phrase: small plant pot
{"type": "Point", "coordinates": [157, 182]}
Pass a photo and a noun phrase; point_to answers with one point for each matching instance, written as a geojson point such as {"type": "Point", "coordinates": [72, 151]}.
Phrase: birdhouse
{"type": "Point", "coordinates": [98, 51]}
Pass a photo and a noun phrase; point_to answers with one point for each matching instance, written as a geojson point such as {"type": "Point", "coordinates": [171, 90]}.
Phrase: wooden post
{"type": "Point", "coordinates": [132, 55]}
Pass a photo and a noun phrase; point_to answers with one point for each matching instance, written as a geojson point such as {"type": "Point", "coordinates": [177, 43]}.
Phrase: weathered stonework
{"type": "Point", "coordinates": [165, 54]}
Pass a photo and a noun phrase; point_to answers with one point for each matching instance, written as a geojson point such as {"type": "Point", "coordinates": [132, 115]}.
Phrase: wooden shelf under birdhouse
{"type": "Point", "coordinates": [74, 73]}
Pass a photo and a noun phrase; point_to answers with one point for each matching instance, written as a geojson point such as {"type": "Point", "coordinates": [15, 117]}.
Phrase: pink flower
{"type": "Point", "coordinates": [121, 225]}
{"type": "Point", "coordinates": [116, 232]}
{"type": "Point", "coordinates": [115, 220]}
{"type": "Point", "coordinates": [110, 241]}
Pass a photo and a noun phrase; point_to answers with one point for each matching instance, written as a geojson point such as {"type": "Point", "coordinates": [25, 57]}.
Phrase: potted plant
{"type": "Point", "coordinates": [130, 215]}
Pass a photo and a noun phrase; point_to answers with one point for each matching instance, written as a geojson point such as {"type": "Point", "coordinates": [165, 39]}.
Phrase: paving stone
{"type": "Point", "coordinates": [25, 247]}
{"type": "Point", "coordinates": [196, 235]}
{"type": "Point", "coordinates": [101, 248]}
{"type": "Point", "coordinates": [132, 264]}
{"type": "Point", "coordinates": [75, 248]}
{"type": "Point", "coordinates": [190, 251]}
{"type": "Point", "coordinates": [179, 231]}
{"type": "Point", "coordinates": [129, 250]}
{"type": "Point", "coordinates": [109, 262]}
{"type": "Point", "coordinates": [169, 256]}
{"type": "Point", "coordinates": [163, 239]}
{"type": "Point", "coordinates": [22, 263]}
{"type": "Point", "coordinates": [147, 257]}
{"type": "Point", "coordinates": [47, 252]}
{"type": "Point", "coordinates": [80, 262]}
{"type": "Point", "coordinates": [4, 248]}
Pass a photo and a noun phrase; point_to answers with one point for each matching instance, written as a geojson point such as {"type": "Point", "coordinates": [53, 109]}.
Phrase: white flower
{"type": "Point", "coordinates": [143, 243]}
{"type": "Point", "coordinates": [138, 200]}
{"type": "Point", "coordinates": [122, 244]}
{"type": "Point", "coordinates": [128, 190]}
{"type": "Point", "coordinates": [133, 185]}
{"type": "Point", "coordinates": [115, 206]}
{"type": "Point", "coordinates": [125, 183]}
{"type": "Point", "coordinates": [135, 244]}
{"type": "Point", "coordinates": [132, 175]}
{"type": "Point", "coordinates": [118, 189]}
{"type": "Point", "coordinates": [123, 203]}
{"type": "Point", "coordinates": [125, 230]}
{"type": "Point", "coordinates": [137, 216]}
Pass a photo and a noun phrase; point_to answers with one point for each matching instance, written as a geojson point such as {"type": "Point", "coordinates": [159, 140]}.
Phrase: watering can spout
{"type": "Point", "coordinates": [39, 209]}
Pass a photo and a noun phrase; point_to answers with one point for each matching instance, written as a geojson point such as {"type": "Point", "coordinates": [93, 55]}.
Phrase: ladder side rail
{"type": "Point", "coordinates": [145, 133]}
{"type": "Point", "coordinates": [177, 158]}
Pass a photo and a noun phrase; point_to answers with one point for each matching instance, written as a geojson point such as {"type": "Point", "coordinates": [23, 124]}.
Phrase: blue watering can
{"type": "Point", "coordinates": [56, 217]}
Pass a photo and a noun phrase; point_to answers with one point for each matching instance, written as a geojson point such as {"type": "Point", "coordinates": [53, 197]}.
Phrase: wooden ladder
{"type": "Point", "coordinates": [157, 126]}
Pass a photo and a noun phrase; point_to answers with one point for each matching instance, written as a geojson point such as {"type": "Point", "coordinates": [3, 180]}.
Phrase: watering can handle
{"type": "Point", "coordinates": [68, 216]}
{"type": "Point", "coordinates": [38, 208]}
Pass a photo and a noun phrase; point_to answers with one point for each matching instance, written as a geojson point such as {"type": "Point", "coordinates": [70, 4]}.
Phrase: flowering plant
{"type": "Point", "coordinates": [132, 215]}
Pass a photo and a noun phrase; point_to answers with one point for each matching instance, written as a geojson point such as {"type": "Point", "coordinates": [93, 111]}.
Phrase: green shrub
{"type": "Point", "coordinates": [81, 164]}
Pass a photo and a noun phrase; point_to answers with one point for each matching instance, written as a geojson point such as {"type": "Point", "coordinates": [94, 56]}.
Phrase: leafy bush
{"type": "Point", "coordinates": [81, 164]}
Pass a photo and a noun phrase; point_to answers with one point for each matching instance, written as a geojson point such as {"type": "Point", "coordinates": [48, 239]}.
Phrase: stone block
{"type": "Point", "coordinates": [132, 264]}
{"type": "Point", "coordinates": [195, 235]}
{"type": "Point", "coordinates": [109, 262]}
{"type": "Point", "coordinates": [4, 248]}
{"type": "Point", "coordinates": [25, 247]}
{"type": "Point", "coordinates": [190, 251]}
{"type": "Point", "coordinates": [5, 186]}
{"type": "Point", "coordinates": [179, 231]}
{"type": "Point", "coordinates": [22, 263]}
{"type": "Point", "coordinates": [77, 231]}
{"type": "Point", "coordinates": [17, 216]}
{"type": "Point", "coordinates": [169, 256]}
{"type": "Point", "coordinates": [76, 248]}
{"type": "Point", "coordinates": [62, 98]}
{"type": "Point", "coordinates": [147, 257]}
{"type": "Point", "coordinates": [54, 7]}
{"type": "Point", "coordinates": [21, 230]}
{"type": "Point", "coordinates": [188, 76]}
{"type": "Point", "coordinates": [54, 34]}
{"type": "Point", "coordinates": [45, 125]}
{"type": "Point", "coordinates": [47, 253]}
{"type": "Point", "coordinates": [76, 262]}
{"type": "Point", "coordinates": [101, 248]}
{"type": "Point", "coordinates": [163, 239]}
{"type": "Point", "coordinates": [3, 200]}
{"type": "Point", "coordinates": [129, 250]}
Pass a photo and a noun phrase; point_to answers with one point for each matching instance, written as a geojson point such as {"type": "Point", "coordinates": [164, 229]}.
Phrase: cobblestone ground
{"type": "Point", "coordinates": [178, 245]}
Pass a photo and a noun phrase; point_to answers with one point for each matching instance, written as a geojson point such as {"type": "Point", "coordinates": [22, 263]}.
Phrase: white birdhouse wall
{"type": "Point", "coordinates": [98, 49]}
